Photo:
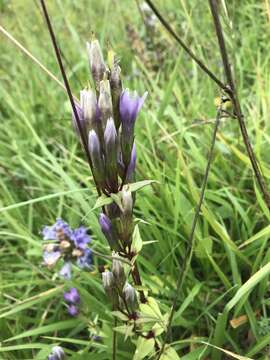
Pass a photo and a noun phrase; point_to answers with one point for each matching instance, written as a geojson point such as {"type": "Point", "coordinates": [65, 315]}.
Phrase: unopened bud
{"type": "Point", "coordinates": [130, 296]}
{"type": "Point", "coordinates": [127, 202]}
{"type": "Point", "coordinates": [116, 89]}
{"type": "Point", "coordinates": [108, 281]}
{"type": "Point", "coordinates": [109, 286]}
{"type": "Point", "coordinates": [110, 143]}
{"type": "Point", "coordinates": [96, 62]}
{"type": "Point", "coordinates": [108, 231]}
{"type": "Point", "coordinates": [118, 271]}
{"type": "Point", "coordinates": [89, 109]}
{"type": "Point", "coordinates": [126, 217]}
{"type": "Point", "coordinates": [105, 102]}
{"type": "Point", "coordinates": [96, 157]}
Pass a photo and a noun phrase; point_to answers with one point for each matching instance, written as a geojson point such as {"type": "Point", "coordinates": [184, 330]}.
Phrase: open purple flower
{"type": "Point", "coordinates": [72, 296]}
{"type": "Point", "coordinates": [80, 238]}
{"type": "Point", "coordinates": [130, 105]}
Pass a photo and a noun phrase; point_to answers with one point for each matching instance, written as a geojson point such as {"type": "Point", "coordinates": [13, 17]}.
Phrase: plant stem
{"type": "Point", "coordinates": [137, 280]}
{"type": "Point", "coordinates": [230, 89]}
{"type": "Point", "coordinates": [235, 101]}
{"type": "Point", "coordinates": [72, 102]}
{"type": "Point", "coordinates": [185, 47]}
{"type": "Point", "coordinates": [191, 238]}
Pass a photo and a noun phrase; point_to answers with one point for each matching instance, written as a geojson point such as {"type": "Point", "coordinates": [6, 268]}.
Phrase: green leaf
{"type": "Point", "coordinates": [144, 348]}
{"type": "Point", "coordinates": [102, 201]}
{"type": "Point", "coordinates": [138, 185]}
{"type": "Point", "coordinates": [192, 294]}
{"type": "Point", "coordinates": [120, 315]}
{"type": "Point", "coordinates": [30, 302]}
{"type": "Point", "coordinates": [169, 354]}
{"type": "Point", "coordinates": [137, 242]}
{"type": "Point", "coordinates": [248, 286]}
{"type": "Point", "coordinates": [126, 330]}
{"type": "Point", "coordinates": [61, 325]}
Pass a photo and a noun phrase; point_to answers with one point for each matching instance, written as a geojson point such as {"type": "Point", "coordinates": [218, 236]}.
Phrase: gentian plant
{"type": "Point", "coordinates": [105, 121]}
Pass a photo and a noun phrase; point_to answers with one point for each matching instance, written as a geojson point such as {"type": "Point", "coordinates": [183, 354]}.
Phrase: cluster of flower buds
{"type": "Point", "coordinates": [68, 244]}
{"type": "Point", "coordinates": [73, 299]}
{"type": "Point", "coordinates": [57, 353]}
{"type": "Point", "coordinates": [120, 293]}
{"type": "Point", "coordinates": [107, 118]}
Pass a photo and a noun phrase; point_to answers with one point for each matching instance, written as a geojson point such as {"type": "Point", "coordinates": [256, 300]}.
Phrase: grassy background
{"type": "Point", "coordinates": [43, 175]}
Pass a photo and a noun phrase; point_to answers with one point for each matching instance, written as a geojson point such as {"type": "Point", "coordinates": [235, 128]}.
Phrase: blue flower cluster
{"type": "Point", "coordinates": [71, 245]}
{"type": "Point", "coordinates": [73, 299]}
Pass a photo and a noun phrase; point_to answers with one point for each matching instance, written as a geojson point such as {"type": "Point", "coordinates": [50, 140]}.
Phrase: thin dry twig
{"type": "Point", "coordinates": [191, 238]}
{"type": "Point", "coordinates": [186, 47]}
{"type": "Point", "coordinates": [72, 102]}
{"type": "Point", "coordinates": [235, 101]}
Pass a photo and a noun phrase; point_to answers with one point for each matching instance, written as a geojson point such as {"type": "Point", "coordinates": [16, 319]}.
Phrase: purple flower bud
{"type": "Point", "coordinates": [132, 165]}
{"type": "Point", "coordinates": [80, 237]}
{"type": "Point", "coordinates": [57, 353]}
{"type": "Point", "coordinates": [96, 61]}
{"type": "Point", "coordinates": [130, 105]}
{"type": "Point", "coordinates": [65, 272]}
{"type": "Point", "coordinates": [107, 229]}
{"type": "Point", "coordinates": [72, 296]}
{"type": "Point", "coordinates": [85, 261]}
{"type": "Point", "coordinates": [73, 310]}
{"type": "Point", "coordinates": [89, 109]}
{"type": "Point", "coordinates": [110, 143]}
{"type": "Point", "coordinates": [96, 157]}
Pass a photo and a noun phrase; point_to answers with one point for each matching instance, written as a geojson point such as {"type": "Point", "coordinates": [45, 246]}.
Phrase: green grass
{"type": "Point", "coordinates": [43, 175]}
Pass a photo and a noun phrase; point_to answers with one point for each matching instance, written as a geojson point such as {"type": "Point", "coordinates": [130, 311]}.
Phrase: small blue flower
{"type": "Point", "coordinates": [86, 260]}
{"type": "Point", "coordinates": [80, 237]}
{"type": "Point", "coordinates": [73, 310]}
{"type": "Point", "coordinates": [53, 232]}
{"type": "Point", "coordinates": [65, 272]}
{"type": "Point", "coordinates": [72, 296]}
{"type": "Point", "coordinates": [51, 257]}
